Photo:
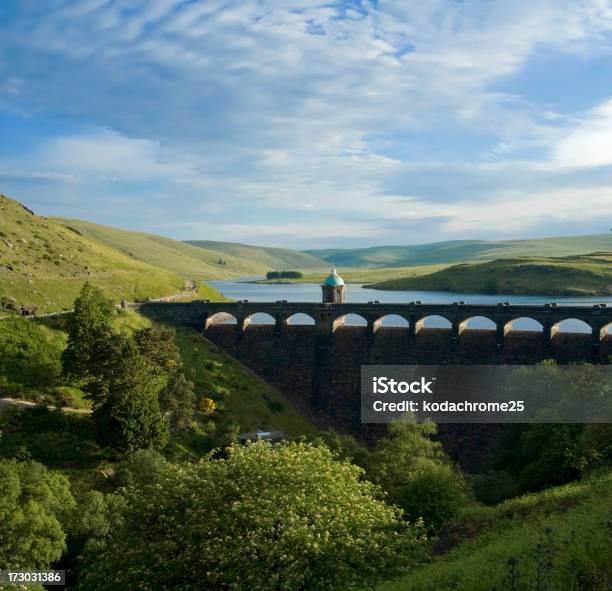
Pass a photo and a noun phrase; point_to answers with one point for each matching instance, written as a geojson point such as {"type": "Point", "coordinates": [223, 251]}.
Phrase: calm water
{"type": "Point", "coordinates": [311, 292]}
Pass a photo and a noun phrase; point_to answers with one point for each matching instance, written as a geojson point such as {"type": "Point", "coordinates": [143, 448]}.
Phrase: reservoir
{"type": "Point", "coordinates": [244, 289]}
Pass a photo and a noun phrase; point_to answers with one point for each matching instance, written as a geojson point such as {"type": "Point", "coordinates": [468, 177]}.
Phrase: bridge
{"type": "Point", "coordinates": [329, 318]}
{"type": "Point", "coordinates": [318, 366]}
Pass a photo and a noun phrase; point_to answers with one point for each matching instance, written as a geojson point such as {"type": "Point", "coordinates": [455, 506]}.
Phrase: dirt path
{"type": "Point", "coordinates": [29, 404]}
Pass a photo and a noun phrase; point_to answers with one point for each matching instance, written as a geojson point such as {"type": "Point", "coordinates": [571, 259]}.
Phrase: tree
{"type": "Point", "coordinates": [125, 397]}
{"type": "Point", "coordinates": [34, 505]}
{"type": "Point", "coordinates": [89, 322]}
{"type": "Point", "coordinates": [403, 452]}
{"type": "Point", "coordinates": [158, 345]}
{"type": "Point", "coordinates": [549, 453]}
{"type": "Point", "coordinates": [416, 472]}
{"type": "Point", "coordinates": [286, 518]}
{"type": "Point", "coordinates": [178, 399]}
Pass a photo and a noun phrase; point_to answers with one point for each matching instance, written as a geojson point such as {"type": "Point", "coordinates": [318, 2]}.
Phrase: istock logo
{"type": "Point", "coordinates": [384, 385]}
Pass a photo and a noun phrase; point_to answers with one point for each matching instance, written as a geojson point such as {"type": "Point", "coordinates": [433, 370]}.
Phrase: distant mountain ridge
{"type": "Point", "coordinates": [455, 251]}
{"type": "Point", "coordinates": [273, 257]}
{"type": "Point", "coordinates": [580, 275]}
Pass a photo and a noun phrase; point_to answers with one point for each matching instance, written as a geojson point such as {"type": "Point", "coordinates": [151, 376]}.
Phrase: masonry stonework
{"type": "Point", "coordinates": [318, 366]}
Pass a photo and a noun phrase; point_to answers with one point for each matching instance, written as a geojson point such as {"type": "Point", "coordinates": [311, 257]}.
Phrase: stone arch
{"type": "Point", "coordinates": [220, 318]}
{"type": "Point", "coordinates": [259, 318]}
{"type": "Point", "coordinates": [606, 331]}
{"type": "Point", "coordinates": [391, 321]}
{"type": "Point", "coordinates": [432, 321]}
{"type": "Point", "coordinates": [523, 324]}
{"type": "Point", "coordinates": [349, 320]}
{"type": "Point", "coordinates": [483, 323]}
{"type": "Point", "coordinates": [301, 319]}
{"type": "Point", "coordinates": [571, 325]}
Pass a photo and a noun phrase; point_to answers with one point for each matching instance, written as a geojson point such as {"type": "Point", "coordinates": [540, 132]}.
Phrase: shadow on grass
{"type": "Point", "coordinates": [56, 439]}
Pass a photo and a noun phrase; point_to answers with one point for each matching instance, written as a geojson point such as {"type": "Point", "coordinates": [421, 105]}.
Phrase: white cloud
{"type": "Point", "coordinates": [107, 154]}
{"type": "Point", "coordinates": [590, 142]}
{"type": "Point", "coordinates": [299, 105]}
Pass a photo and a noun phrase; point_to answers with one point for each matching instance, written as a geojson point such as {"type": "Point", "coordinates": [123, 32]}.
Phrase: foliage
{"type": "Point", "coordinates": [344, 446]}
{"type": "Point", "coordinates": [177, 399]}
{"type": "Point", "coordinates": [546, 454]}
{"type": "Point", "coordinates": [157, 344]}
{"type": "Point", "coordinates": [284, 275]}
{"type": "Point", "coordinates": [493, 487]}
{"type": "Point", "coordinates": [55, 438]}
{"type": "Point", "coordinates": [403, 452]}
{"type": "Point", "coordinates": [559, 539]}
{"type": "Point", "coordinates": [240, 396]}
{"type": "Point", "coordinates": [88, 324]}
{"type": "Point", "coordinates": [434, 493]}
{"type": "Point", "coordinates": [207, 406]}
{"type": "Point", "coordinates": [416, 472]}
{"type": "Point", "coordinates": [288, 517]}
{"type": "Point", "coordinates": [125, 397]}
{"type": "Point", "coordinates": [34, 503]}
{"type": "Point", "coordinates": [29, 356]}
{"type": "Point", "coordinates": [142, 467]}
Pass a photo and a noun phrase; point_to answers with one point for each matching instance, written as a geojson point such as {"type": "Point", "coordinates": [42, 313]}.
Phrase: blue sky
{"type": "Point", "coordinates": [311, 124]}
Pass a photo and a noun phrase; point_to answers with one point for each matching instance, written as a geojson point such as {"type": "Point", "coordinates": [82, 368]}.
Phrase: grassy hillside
{"type": "Point", "coordinates": [464, 250]}
{"type": "Point", "coordinates": [558, 539]}
{"type": "Point", "coordinates": [274, 258]}
{"type": "Point", "coordinates": [575, 275]}
{"type": "Point", "coordinates": [44, 263]}
{"type": "Point", "coordinates": [188, 261]}
{"type": "Point", "coordinates": [30, 368]}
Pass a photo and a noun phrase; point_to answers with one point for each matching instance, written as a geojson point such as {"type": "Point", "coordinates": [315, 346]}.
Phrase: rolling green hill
{"type": "Point", "coordinates": [574, 275]}
{"type": "Point", "coordinates": [44, 263]}
{"type": "Point", "coordinates": [555, 539]}
{"type": "Point", "coordinates": [456, 251]}
{"type": "Point", "coordinates": [274, 258]}
{"type": "Point", "coordinates": [188, 261]}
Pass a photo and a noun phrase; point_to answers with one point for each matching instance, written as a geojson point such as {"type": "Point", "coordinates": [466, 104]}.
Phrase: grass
{"type": "Point", "coordinates": [573, 275]}
{"type": "Point", "coordinates": [44, 263]}
{"type": "Point", "coordinates": [248, 400]}
{"type": "Point", "coordinates": [275, 259]}
{"type": "Point", "coordinates": [30, 368]}
{"type": "Point", "coordinates": [561, 537]}
{"type": "Point", "coordinates": [188, 261]}
{"type": "Point", "coordinates": [455, 251]}
{"type": "Point", "coordinates": [363, 275]}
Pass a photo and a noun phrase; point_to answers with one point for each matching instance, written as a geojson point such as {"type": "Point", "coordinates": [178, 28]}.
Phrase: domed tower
{"type": "Point", "coordinates": [333, 289]}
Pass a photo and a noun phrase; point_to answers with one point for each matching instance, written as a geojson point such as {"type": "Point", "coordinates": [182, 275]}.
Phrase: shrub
{"type": "Point", "coordinates": [434, 494]}
{"type": "Point", "coordinates": [34, 504]}
{"type": "Point", "coordinates": [492, 488]}
{"type": "Point", "coordinates": [288, 517]}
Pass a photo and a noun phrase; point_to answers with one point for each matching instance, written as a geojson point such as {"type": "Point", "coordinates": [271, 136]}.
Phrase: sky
{"type": "Point", "coordinates": [310, 124]}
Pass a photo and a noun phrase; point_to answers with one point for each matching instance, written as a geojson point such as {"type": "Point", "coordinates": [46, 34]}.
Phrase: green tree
{"type": "Point", "coordinates": [405, 450]}
{"type": "Point", "coordinates": [88, 323]}
{"type": "Point", "coordinates": [549, 453]}
{"type": "Point", "coordinates": [125, 397]}
{"type": "Point", "coordinates": [286, 518]}
{"type": "Point", "coordinates": [178, 400]}
{"type": "Point", "coordinates": [34, 505]}
{"type": "Point", "coordinates": [416, 472]}
{"type": "Point", "coordinates": [158, 345]}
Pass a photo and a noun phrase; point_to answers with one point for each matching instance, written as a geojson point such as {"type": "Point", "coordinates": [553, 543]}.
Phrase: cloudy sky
{"type": "Point", "coordinates": [311, 124]}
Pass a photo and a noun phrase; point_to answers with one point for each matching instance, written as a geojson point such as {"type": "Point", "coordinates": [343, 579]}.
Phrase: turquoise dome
{"type": "Point", "coordinates": [333, 279]}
